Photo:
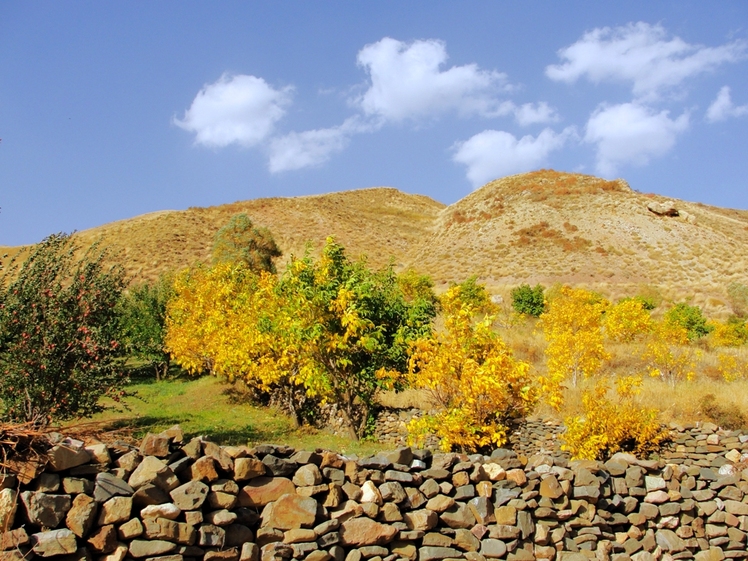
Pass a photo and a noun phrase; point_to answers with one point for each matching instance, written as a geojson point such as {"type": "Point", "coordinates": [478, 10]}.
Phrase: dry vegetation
{"type": "Point", "coordinates": [544, 226]}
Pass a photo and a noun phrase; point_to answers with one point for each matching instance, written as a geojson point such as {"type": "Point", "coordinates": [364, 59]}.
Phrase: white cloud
{"type": "Point", "coordinates": [722, 107]}
{"type": "Point", "coordinates": [299, 150]}
{"type": "Point", "coordinates": [642, 54]}
{"type": "Point", "coordinates": [631, 133]}
{"type": "Point", "coordinates": [532, 114]}
{"type": "Point", "coordinates": [492, 154]}
{"type": "Point", "coordinates": [408, 82]}
{"type": "Point", "coordinates": [236, 109]}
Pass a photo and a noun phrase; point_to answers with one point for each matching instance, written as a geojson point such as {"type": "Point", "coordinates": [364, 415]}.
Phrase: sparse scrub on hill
{"type": "Point", "coordinates": [240, 241]}
{"type": "Point", "coordinates": [59, 333]}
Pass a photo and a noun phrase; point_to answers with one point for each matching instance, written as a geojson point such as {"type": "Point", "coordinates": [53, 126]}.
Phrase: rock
{"type": "Point", "coordinates": [430, 553]}
{"type": "Point", "coordinates": [104, 540]}
{"type": "Point", "coordinates": [221, 457]}
{"type": "Point", "coordinates": [290, 511]}
{"type": "Point", "coordinates": [149, 495]}
{"type": "Point", "coordinates": [150, 548]}
{"type": "Point", "coordinates": [550, 487]}
{"type": "Point", "coordinates": [190, 496]}
{"type": "Point", "coordinates": [54, 542]}
{"type": "Point", "coordinates": [211, 536]}
{"type": "Point", "coordinates": [465, 540]}
{"type": "Point", "coordinates": [108, 486]}
{"type": "Point", "coordinates": [169, 511]}
{"type": "Point", "coordinates": [67, 454]}
{"type": "Point", "coordinates": [118, 554]}
{"type": "Point", "coordinates": [669, 541]}
{"type": "Point", "coordinates": [154, 471]}
{"type": "Point", "coordinates": [249, 552]}
{"type": "Point", "coordinates": [155, 445]}
{"type": "Point", "coordinates": [440, 503]}
{"type": "Point", "coordinates": [221, 517]}
{"type": "Point", "coordinates": [82, 514]}
{"type": "Point", "coordinates": [279, 467]}
{"type": "Point", "coordinates": [307, 475]}
{"type": "Point", "coordinates": [492, 549]}
{"type": "Point", "coordinates": [77, 485]}
{"type": "Point", "coordinates": [13, 539]}
{"type": "Point", "coordinates": [8, 507]}
{"type": "Point", "coordinates": [421, 520]}
{"type": "Point", "coordinates": [482, 509]}
{"type": "Point", "coordinates": [370, 493]}
{"type": "Point", "coordinates": [248, 468]}
{"type": "Point", "coordinates": [364, 531]}
{"type": "Point", "coordinates": [131, 529]}
{"type": "Point", "coordinates": [99, 453]}
{"type": "Point", "coordinates": [458, 516]}
{"type": "Point", "coordinates": [45, 510]}
{"type": "Point", "coordinates": [263, 490]}
{"type": "Point", "coordinates": [115, 511]}
{"type": "Point", "coordinates": [665, 208]}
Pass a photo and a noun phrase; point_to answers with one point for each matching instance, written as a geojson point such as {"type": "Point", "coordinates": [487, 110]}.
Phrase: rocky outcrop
{"type": "Point", "coordinates": [170, 500]}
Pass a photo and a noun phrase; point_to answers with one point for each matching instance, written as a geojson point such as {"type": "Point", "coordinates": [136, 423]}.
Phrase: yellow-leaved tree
{"type": "Point", "coordinates": [572, 325]}
{"type": "Point", "coordinates": [627, 320]}
{"type": "Point", "coordinates": [669, 353]}
{"type": "Point", "coordinates": [607, 426]}
{"type": "Point", "coordinates": [474, 382]}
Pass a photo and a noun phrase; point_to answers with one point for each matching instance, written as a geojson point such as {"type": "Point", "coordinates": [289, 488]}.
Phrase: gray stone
{"type": "Point", "coordinates": [431, 553]}
{"type": "Point", "coordinates": [67, 454]}
{"type": "Point", "coordinates": [45, 510]}
{"type": "Point", "coordinates": [154, 471]}
{"type": "Point", "coordinates": [211, 536]}
{"type": "Point", "coordinates": [8, 507]}
{"type": "Point", "coordinates": [150, 548]}
{"type": "Point", "coordinates": [115, 511]}
{"type": "Point", "coordinates": [492, 549]}
{"type": "Point", "coordinates": [108, 486]}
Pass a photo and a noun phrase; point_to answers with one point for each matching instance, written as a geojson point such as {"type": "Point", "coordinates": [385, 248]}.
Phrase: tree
{"type": "Point", "coordinates": [348, 327]}
{"type": "Point", "coordinates": [143, 318]}
{"type": "Point", "coordinates": [669, 354]}
{"type": "Point", "coordinates": [690, 318]}
{"type": "Point", "coordinates": [627, 320]}
{"type": "Point", "coordinates": [528, 300]}
{"type": "Point", "coordinates": [474, 382]}
{"type": "Point", "coordinates": [572, 326]}
{"type": "Point", "coordinates": [59, 333]}
{"type": "Point", "coordinates": [240, 241]}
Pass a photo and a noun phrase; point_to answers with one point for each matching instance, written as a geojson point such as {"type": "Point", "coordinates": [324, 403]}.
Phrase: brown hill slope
{"type": "Point", "coordinates": [380, 222]}
{"type": "Point", "coordinates": [553, 227]}
{"type": "Point", "coordinates": [543, 226]}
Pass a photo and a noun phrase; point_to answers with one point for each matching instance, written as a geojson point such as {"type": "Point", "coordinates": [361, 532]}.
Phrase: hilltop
{"type": "Point", "coordinates": [544, 226]}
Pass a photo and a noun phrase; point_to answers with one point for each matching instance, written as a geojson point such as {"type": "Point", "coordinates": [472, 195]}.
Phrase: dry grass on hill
{"type": "Point", "coordinates": [544, 226]}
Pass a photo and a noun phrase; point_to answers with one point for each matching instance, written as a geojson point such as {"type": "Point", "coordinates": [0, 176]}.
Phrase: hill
{"type": "Point", "coordinates": [545, 226]}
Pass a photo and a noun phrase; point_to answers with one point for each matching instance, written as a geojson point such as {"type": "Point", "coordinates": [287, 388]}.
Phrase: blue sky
{"type": "Point", "coordinates": [113, 109]}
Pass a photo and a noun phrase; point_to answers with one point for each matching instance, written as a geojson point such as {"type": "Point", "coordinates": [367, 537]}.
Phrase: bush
{"type": "Point", "coordinates": [609, 426]}
{"type": "Point", "coordinates": [142, 319]}
{"type": "Point", "coordinates": [727, 416]}
{"type": "Point", "coordinates": [59, 333]}
{"type": "Point", "coordinates": [690, 318]}
{"type": "Point", "coordinates": [529, 300]}
{"type": "Point", "coordinates": [240, 241]}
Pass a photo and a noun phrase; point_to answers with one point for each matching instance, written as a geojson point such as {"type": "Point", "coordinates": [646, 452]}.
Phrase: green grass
{"type": "Point", "coordinates": [207, 406]}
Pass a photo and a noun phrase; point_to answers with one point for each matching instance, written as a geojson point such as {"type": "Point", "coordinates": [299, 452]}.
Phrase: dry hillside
{"type": "Point", "coordinates": [543, 226]}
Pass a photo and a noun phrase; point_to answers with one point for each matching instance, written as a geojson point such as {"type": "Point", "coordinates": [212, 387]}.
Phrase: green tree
{"type": "Point", "coordinates": [240, 241]}
{"type": "Point", "coordinates": [348, 328]}
{"type": "Point", "coordinates": [142, 318]}
{"type": "Point", "coordinates": [690, 318]}
{"type": "Point", "coordinates": [59, 333]}
{"type": "Point", "coordinates": [529, 300]}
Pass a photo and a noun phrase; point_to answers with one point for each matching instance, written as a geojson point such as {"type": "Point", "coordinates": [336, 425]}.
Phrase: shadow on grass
{"type": "Point", "coordinates": [140, 426]}
{"type": "Point", "coordinates": [146, 374]}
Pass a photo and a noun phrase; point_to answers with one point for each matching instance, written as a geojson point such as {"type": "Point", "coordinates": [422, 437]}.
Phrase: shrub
{"type": "Point", "coordinates": [474, 381]}
{"type": "Point", "coordinates": [627, 320]}
{"type": "Point", "coordinates": [727, 416]}
{"type": "Point", "coordinates": [240, 241]}
{"type": "Point", "coordinates": [690, 318]}
{"type": "Point", "coordinates": [528, 300]}
{"type": "Point", "coordinates": [608, 426]}
{"type": "Point", "coordinates": [59, 333]}
{"type": "Point", "coordinates": [572, 326]}
{"type": "Point", "coordinates": [142, 319]}
{"type": "Point", "coordinates": [738, 294]}
{"type": "Point", "coordinates": [669, 354]}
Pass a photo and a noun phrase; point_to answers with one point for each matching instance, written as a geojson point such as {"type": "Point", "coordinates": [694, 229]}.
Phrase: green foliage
{"type": "Point", "coordinates": [142, 319]}
{"type": "Point", "coordinates": [59, 333]}
{"type": "Point", "coordinates": [647, 301]}
{"type": "Point", "coordinates": [240, 241]}
{"type": "Point", "coordinates": [738, 294]}
{"type": "Point", "coordinates": [690, 318]}
{"type": "Point", "coordinates": [473, 295]}
{"type": "Point", "coordinates": [529, 300]}
{"type": "Point", "coordinates": [348, 327]}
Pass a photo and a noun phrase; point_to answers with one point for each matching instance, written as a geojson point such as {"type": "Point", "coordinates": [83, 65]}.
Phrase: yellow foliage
{"type": "Point", "coordinates": [626, 320]}
{"type": "Point", "coordinates": [669, 354]}
{"type": "Point", "coordinates": [572, 326]}
{"type": "Point", "coordinates": [607, 426]}
{"type": "Point", "coordinates": [733, 365]}
{"type": "Point", "coordinates": [473, 379]}
{"type": "Point", "coordinates": [730, 334]}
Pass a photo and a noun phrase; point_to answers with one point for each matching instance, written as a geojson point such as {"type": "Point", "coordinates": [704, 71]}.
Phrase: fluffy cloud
{"type": "Point", "coordinates": [631, 133]}
{"type": "Point", "coordinates": [408, 82]}
{"type": "Point", "coordinates": [492, 154]}
{"type": "Point", "coordinates": [532, 114]}
{"type": "Point", "coordinates": [641, 54]}
{"type": "Point", "coordinates": [299, 150]}
{"type": "Point", "coordinates": [236, 109]}
{"type": "Point", "coordinates": [722, 107]}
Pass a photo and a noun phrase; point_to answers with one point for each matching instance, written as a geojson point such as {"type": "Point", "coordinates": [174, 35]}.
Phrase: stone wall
{"type": "Point", "coordinates": [172, 500]}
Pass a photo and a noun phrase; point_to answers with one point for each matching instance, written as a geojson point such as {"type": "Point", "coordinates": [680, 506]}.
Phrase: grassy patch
{"type": "Point", "coordinates": [206, 406]}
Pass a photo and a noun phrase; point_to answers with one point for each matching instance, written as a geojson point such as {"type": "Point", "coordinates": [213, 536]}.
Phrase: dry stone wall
{"type": "Point", "coordinates": [171, 500]}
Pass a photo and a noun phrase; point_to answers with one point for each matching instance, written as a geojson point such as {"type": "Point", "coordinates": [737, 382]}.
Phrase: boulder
{"type": "Point", "coordinates": [289, 512]}
{"type": "Point", "coordinates": [364, 531]}
{"type": "Point", "coordinates": [54, 542]}
{"type": "Point", "coordinates": [45, 510]}
{"type": "Point", "coordinates": [82, 514]}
